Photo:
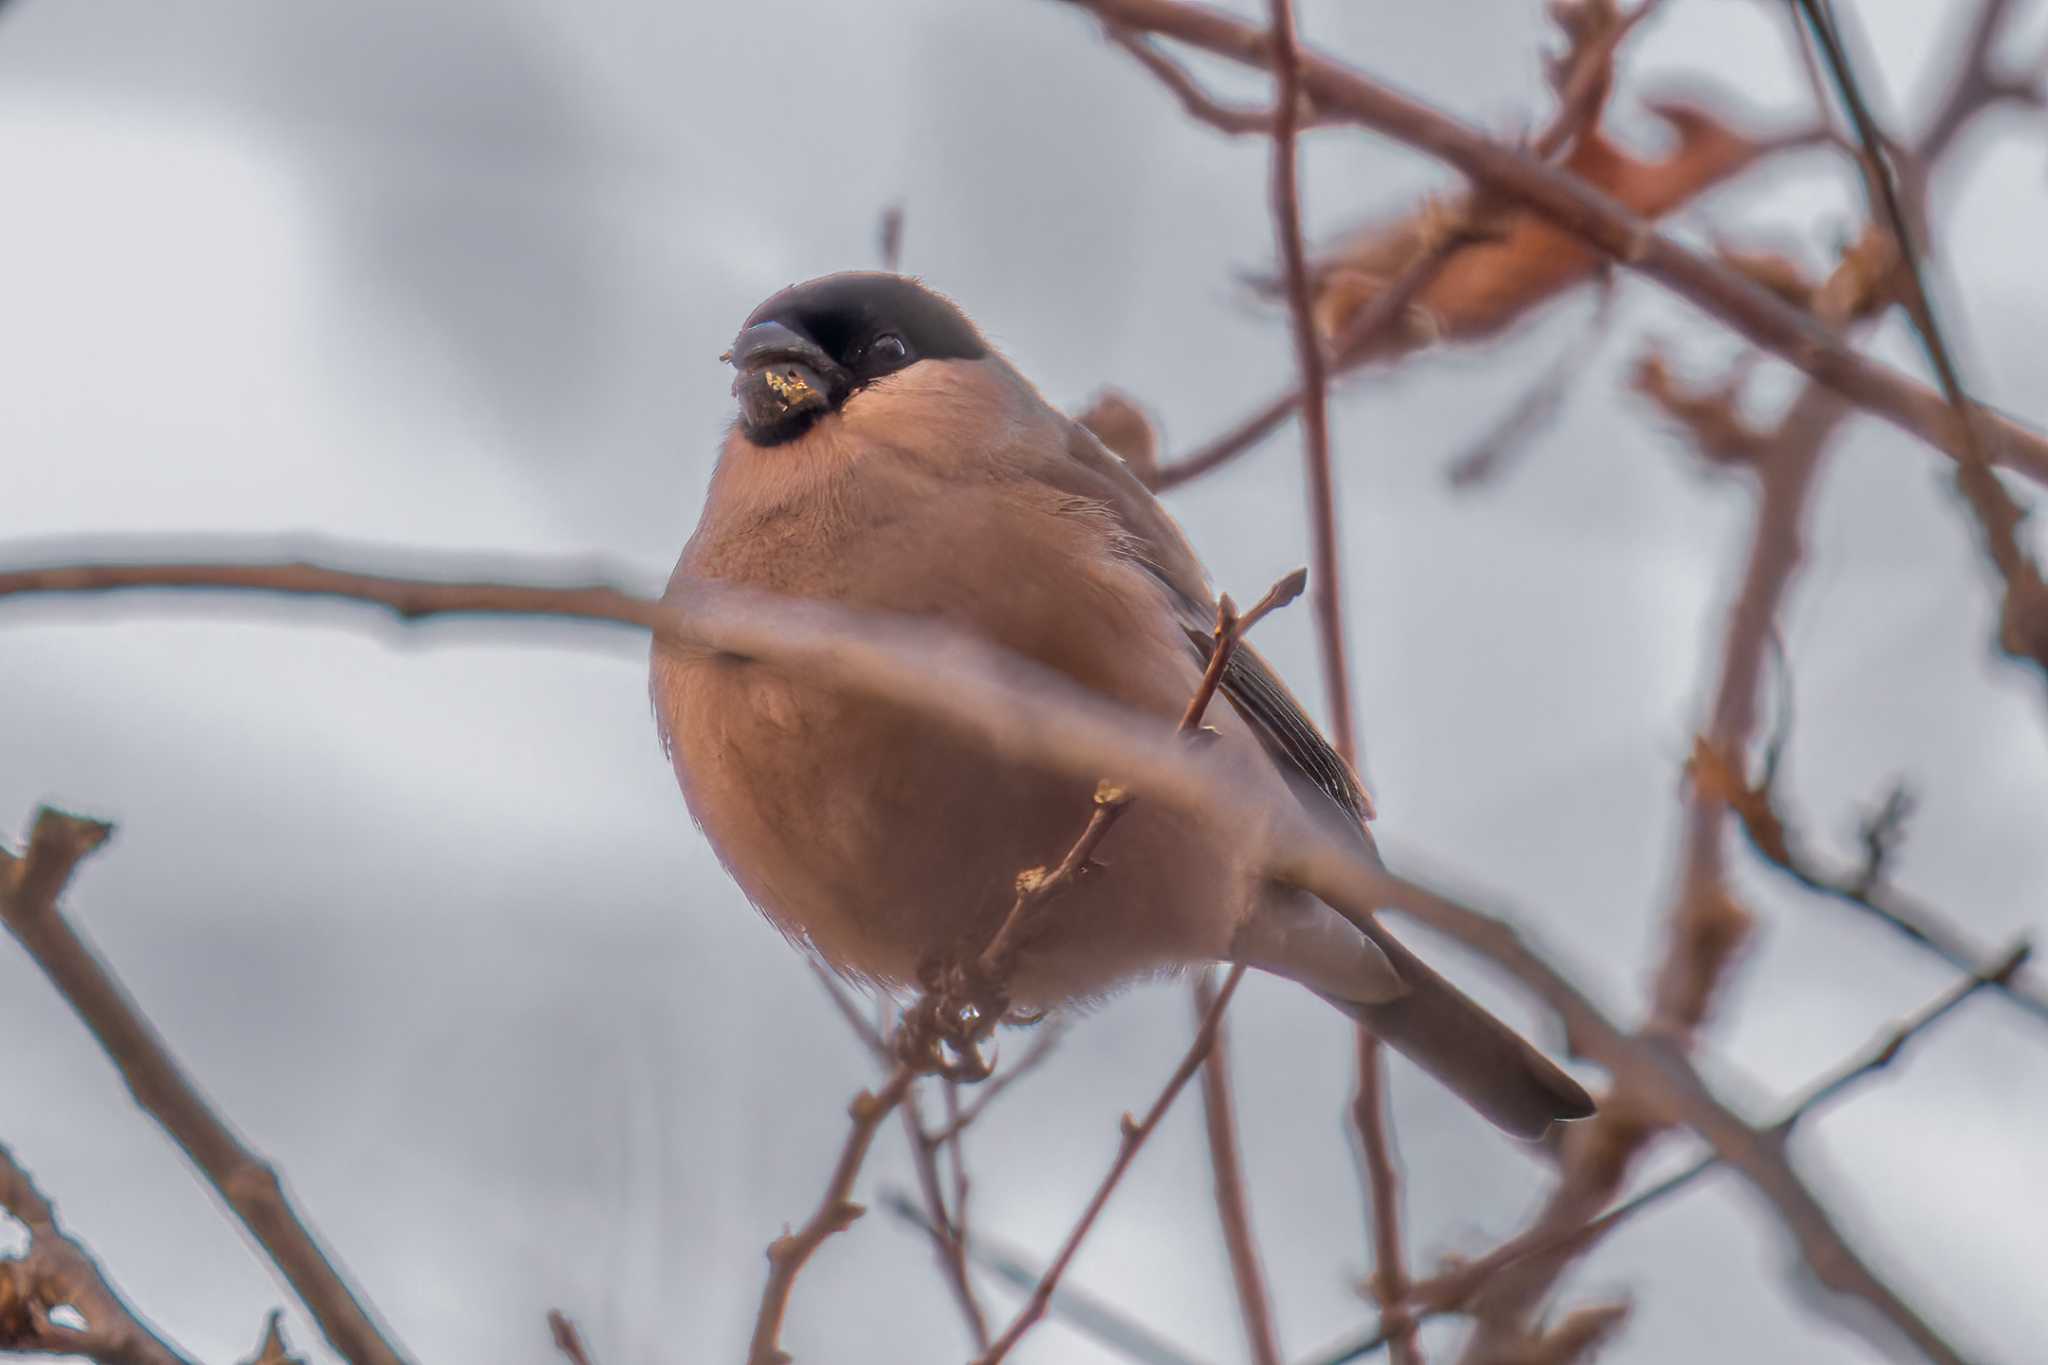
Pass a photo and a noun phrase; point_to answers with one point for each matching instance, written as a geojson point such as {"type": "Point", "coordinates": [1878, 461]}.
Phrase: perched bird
{"type": "Point", "coordinates": [886, 457]}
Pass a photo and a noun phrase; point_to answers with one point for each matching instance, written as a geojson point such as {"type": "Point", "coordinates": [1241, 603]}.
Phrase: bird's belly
{"type": "Point", "coordinates": [886, 843]}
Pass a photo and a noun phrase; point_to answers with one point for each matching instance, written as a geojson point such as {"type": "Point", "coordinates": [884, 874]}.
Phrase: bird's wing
{"type": "Point", "coordinates": [1249, 682]}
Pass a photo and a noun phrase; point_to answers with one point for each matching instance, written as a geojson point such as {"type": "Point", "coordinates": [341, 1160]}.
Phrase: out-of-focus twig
{"type": "Point", "coordinates": [1390, 304]}
{"type": "Point", "coordinates": [55, 1271]}
{"type": "Point", "coordinates": [1536, 410]}
{"type": "Point", "coordinates": [567, 1339]}
{"type": "Point", "coordinates": [29, 890]}
{"type": "Point", "coordinates": [1866, 887]}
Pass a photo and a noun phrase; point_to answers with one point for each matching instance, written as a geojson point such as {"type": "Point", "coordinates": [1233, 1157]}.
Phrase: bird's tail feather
{"type": "Point", "coordinates": [1483, 1061]}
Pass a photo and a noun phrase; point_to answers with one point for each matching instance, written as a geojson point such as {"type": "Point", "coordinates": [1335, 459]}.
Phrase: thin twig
{"type": "Point", "coordinates": [948, 1226]}
{"type": "Point", "coordinates": [1373, 321]}
{"type": "Point", "coordinates": [1134, 1133]}
{"type": "Point", "coordinates": [247, 1184]}
{"type": "Point", "coordinates": [56, 1271]}
{"type": "Point", "coordinates": [1198, 103]}
{"type": "Point", "coordinates": [1087, 1313]}
{"type": "Point", "coordinates": [835, 1212]}
{"type": "Point", "coordinates": [1219, 1117]}
{"type": "Point", "coordinates": [1775, 840]}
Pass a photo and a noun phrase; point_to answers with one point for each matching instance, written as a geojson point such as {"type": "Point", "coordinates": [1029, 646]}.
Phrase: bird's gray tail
{"type": "Point", "coordinates": [1483, 1061]}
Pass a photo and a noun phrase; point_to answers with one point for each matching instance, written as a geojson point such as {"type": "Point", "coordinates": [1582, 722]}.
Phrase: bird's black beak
{"type": "Point", "coordinates": [786, 382]}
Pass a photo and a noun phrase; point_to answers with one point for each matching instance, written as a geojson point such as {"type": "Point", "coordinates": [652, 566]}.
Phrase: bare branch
{"type": "Point", "coordinates": [1134, 1134]}
{"type": "Point", "coordinates": [246, 1183]}
{"type": "Point", "coordinates": [56, 1272]}
{"type": "Point", "coordinates": [1865, 888]}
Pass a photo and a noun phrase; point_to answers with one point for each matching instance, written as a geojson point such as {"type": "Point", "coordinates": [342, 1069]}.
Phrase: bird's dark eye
{"type": "Point", "coordinates": [886, 352]}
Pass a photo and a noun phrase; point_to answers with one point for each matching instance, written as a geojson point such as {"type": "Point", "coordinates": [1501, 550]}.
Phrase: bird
{"type": "Point", "coordinates": [884, 456]}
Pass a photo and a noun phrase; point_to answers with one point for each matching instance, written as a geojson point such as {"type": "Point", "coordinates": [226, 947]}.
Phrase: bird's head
{"type": "Point", "coordinates": [812, 349]}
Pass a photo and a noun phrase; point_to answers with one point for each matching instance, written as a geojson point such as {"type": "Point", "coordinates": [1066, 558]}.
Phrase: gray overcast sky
{"type": "Point", "coordinates": [423, 910]}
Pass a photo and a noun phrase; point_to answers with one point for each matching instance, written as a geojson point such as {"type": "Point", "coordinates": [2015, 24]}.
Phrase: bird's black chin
{"type": "Point", "coordinates": [780, 400]}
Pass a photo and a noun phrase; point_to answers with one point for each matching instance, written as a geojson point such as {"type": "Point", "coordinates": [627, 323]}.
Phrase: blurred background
{"type": "Point", "coordinates": [422, 909]}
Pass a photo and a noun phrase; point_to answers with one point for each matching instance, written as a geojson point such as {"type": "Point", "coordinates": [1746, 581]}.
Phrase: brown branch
{"type": "Point", "coordinates": [1220, 1122]}
{"type": "Point", "coordinates": [1599, 219]}
{"type": "Point", "coordinates": [2023, 631]}
{"type": "Point", "coordinates": [56, 1272]}
{"type": "Point", "coordinates": [247, 1184]}
{"type": "Point", "coordinates": [1134, 1133]}
{"type": "Point", "coordinates": [567, 1339]}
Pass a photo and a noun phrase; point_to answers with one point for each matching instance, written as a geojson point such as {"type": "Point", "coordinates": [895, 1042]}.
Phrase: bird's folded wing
{"type": "Point", "coordinates": [1249, 682]}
